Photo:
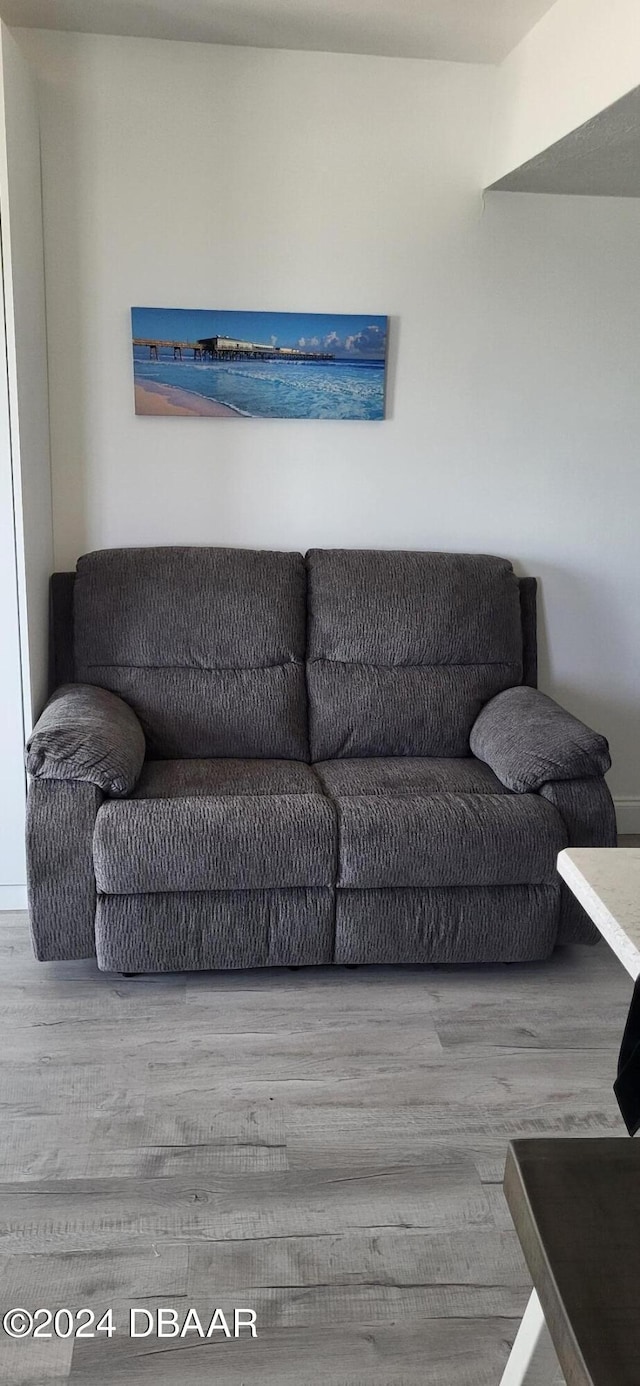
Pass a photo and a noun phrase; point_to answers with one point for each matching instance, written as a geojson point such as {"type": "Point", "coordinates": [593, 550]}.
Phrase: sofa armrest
{"type": "Point", "coordinates": [87, 733]}
{"type": "Point", "coordinates": [589, 816]}
{"type": "Point", "coordinates": [61, 883]}
{"type": "Point", "coordinates": [529, 740]}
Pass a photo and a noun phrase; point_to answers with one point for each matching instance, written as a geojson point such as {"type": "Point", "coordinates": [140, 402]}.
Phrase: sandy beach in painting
{"type": "Point", "coordinates": [170, 400]}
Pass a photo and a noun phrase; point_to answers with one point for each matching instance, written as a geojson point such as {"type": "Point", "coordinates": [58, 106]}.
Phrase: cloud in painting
{"type": "Point", "coordinates": [368, 342]}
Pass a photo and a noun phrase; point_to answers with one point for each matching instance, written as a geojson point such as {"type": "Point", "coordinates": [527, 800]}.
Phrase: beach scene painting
{"type": "Point", "coordinates": [218, 364]}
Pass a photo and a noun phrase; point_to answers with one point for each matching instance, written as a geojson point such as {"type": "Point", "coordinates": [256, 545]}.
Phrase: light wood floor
{"type": "Point", "coordinates": [323, 1146]}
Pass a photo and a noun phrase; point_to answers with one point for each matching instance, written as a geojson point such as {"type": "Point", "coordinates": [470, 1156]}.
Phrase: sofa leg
{"type": "Point", "coordinates": [130, 974]}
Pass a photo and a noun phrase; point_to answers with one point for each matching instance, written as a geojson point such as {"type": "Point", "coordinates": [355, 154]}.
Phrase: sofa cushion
{"type": "Point", "coordinates": [177, 930]}
{"type": "Point", "coordinates": [217, 825]}
{"type": "Point", "coordinates": [206, 645]}
{"type": "Point", "coordinates": [468, 924]}
{"type": "Point", "coordinates": [404, 649]}
{"type": "Point", "coordinates": [187, 779]}
{"type": "Point", "coordinates": [424, 835]}
{"type": "Point", "coordinates": [393, 775]}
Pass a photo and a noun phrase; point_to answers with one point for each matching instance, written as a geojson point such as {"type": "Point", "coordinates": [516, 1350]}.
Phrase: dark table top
{"type": "Point", "coordinates": [576, 1208]}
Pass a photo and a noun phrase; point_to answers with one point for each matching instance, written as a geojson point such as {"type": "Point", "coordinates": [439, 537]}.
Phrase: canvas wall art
{"type": "Point", "coordinates": [193, 362]}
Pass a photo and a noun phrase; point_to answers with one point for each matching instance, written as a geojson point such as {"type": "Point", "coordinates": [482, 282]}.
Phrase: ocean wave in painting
{"type": "Point", "coordinates": [277, 389]}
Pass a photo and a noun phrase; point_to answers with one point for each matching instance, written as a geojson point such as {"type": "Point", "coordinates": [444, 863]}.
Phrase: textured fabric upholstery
{"type": "Point", "coordinates": [61, 665]}
{"type": "Point", "coordinates": [425, 830]}
{"type": "Point", "coordinates": [280, 832]}
{"type": "Point", "coordinates": [447, 840]}
{"type": "Point", "coordinates": [575, 925]}
{"type": "Point", "coordinates": [528, 740]}
{"type": "Point", "coordinates": [355, 710]}
{"type": "Point", "coordinates": [392, 775]}
{"type": "Point", "coordinates": [207, 645]}
{"type": "Point", "coordinates": [179, 779]}
{"type": "Point", "coordinates": [405, 648]}
{"type": "Point", "coordinates": [175, 932]}
{"type": "Point", "coordinates": [61, 884]}
{"type": "Point", "coordinates": [86, 733]}
{"type": "Point", "coordinates": [467, 924]}
{"type": "Point", "coordinates": [528, 612]}
{"type": "Point", "coordinates": [587, 810]}
{"type": "Point", "coordinates": [408, 823]}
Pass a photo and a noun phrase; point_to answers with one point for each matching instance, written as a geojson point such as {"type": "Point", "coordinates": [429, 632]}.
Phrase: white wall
{"type": "Point", "coordinates": [26, 537]}
{"type": "Point", "coordinates": [577, 60]}
{"type": "Point", "coordinates": [23, 265]}
{"type": "Point", "coordinates": [12, 776]}
{"type": "Point", "coordinates": [183, 175]}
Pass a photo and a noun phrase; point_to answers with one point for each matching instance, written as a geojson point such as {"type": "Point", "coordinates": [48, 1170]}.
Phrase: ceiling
{"type": "Point", "coordinates": [457, 30]}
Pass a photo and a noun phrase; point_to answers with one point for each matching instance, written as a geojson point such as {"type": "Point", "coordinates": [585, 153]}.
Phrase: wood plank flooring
{"type": "Point", "coordinates": [324, 1146]}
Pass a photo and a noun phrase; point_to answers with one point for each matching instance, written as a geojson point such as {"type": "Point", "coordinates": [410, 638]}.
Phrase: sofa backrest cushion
{"type": "Point", "coordinates": [206, 645]}
{"type": "Point", "coordinates": [404, 649]}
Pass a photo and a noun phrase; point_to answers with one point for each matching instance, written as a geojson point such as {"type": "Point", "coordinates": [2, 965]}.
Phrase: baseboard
{"type": "Point", "coordinates": [628, 815]}
{"type": "Point", "coordinates": [13, 897]}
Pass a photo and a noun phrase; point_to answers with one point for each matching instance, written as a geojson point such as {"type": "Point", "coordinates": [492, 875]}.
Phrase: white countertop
{"type": "Point", "coordinates": [606, 881]}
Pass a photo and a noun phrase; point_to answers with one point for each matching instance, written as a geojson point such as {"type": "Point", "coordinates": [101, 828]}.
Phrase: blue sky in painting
{"type": "Point", "coordinates": [350, 336]}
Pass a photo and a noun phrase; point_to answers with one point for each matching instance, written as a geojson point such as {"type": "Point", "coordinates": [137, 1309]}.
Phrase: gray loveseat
{"type": "Point", "coordinates": [257, 759]}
